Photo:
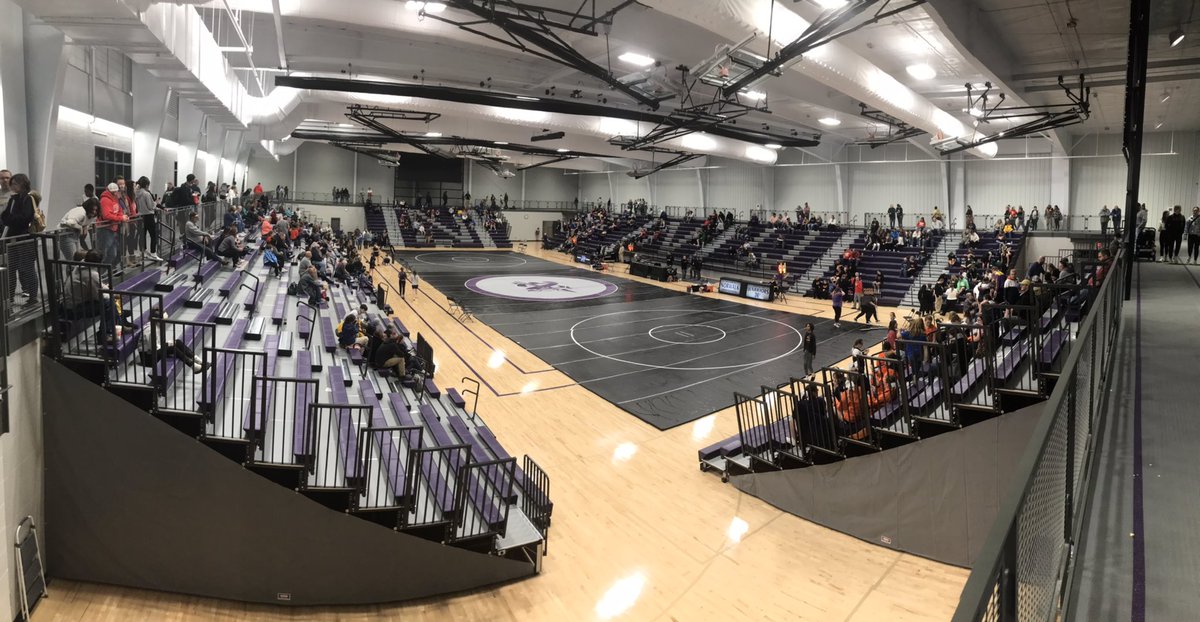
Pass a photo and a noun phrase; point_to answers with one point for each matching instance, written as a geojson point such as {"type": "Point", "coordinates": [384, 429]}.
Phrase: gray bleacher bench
{"type": "Point", "coordinates": [173, 282]}
{"type": "Point", "coordinates": [279, 313]}
{"type": "Point", "coordinates": [256, 328]}
{"type": "Point", "coordinates": [347, 377]}
{"type": "Point", "coordinates": [478, 453]}
{"type": "Point", "coordinates": [199, 298]}
{"type": "Point", "coordinates": [318, 359]}
{"type": "Point", "coordinates": [286, 343]}
{"type": "Point", "coordinates": [226, 312]}
{"type": "Point", "coordinates": [249, 423]}
{"type": "Point", "coordinates": [389, 453]}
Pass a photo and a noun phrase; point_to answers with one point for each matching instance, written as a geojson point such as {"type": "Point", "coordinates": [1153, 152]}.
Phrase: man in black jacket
{"type": "Point", "coordinates": [391, 354]}
{"type": "Point", "coordinates": [1173, 227]}
{"type": "Point", "coordinates": [181, 196]}
{"type": "Point", "coordinates": [810, 348]}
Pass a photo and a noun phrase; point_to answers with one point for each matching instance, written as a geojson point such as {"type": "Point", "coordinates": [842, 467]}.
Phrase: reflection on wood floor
{"type": "Point", "coordinates": [639, 532]}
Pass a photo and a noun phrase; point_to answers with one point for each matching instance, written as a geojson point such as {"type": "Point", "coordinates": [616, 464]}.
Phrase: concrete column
{"type": "Point", "coordinates": [1060, 183]}
{"type": "Point", "coordinates": [14, 138]}
{"type": "Point", "coordinates": [230, 148]}
{"type": "Point", "coordinates": [191, 122]}
{"type": "Point", "coordinates": [149, 112]}
{"type": "Point", "coordinates": [957, 210]}
{"type": "Point", "coordinates": [45, 69]}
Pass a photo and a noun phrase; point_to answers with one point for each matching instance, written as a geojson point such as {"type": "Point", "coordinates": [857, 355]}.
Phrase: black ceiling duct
{"type": "Point", "coordinates": [548, 136]}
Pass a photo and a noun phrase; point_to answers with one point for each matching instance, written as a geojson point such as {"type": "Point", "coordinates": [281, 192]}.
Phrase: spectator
{"type": "Point", "coordinates": [76, 223]}
{"type": "Point", "coordinates": [146, 206]}
{"type": "Point", "coordinates": [810, 348]}
{"type": "Point", "coordinates": [18, 218]}
{"type": "Point", "coordinates": [196, 239]}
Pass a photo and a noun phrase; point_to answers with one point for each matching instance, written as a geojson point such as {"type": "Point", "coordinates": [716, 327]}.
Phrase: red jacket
{"type": "Point", "coordinates": [110, 211]}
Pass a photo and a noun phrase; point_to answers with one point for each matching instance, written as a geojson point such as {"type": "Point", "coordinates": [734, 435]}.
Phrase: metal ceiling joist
{"type": "Point", "coordinates": [1045, 118]}
{"type": "Point", "coordinates": [676, 161]}
{"type": "Point", "coordinates": [369, 121]}
{"type": "Point", "coordinates": [830, 25]}
{"type": "Point", "coordinates": [527, 32]}
{"type": "Point", "coordinates": [380, 112]}
{"type": "Point", "coordinates": [552, 18]}
{"type": "Point", "coordinates": [386, 156]}
{"type": "Point", "coordinates": [546, 162]}
{"type": "Point", "coordinates": [897, 130]}
{"type": "Point", "coordinates": [490, 98]}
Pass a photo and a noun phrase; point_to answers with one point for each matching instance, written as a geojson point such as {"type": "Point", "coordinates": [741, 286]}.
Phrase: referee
{"type": "Point", "coordinates": [810, 348]}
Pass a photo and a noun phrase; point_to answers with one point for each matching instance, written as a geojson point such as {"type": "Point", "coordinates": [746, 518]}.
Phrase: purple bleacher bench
{"type": "Point", "coordinates": [304, 323]}
{"type": "Point", "coordinates": [1011, 359]}
{"type": "Point", "coordinates": [400, 328]}
{"type": "Point", "coordinates": [223, 365]}
{"type": "Point", "coordinates": [926, 395]}
{"type": "Point", "coordinates": [280, 311]}
{"type": "Point", "coordinates": [171, 364]}
{"type": "Point", "coordinates": [328, 336]}
{"type": "Point", "coordinates": [207, 270]}
{"type": "Point", "coordinates": [433, 424]}
{"type": "Point", "coordinates": [974, 373]}
{"type": "Point", "coordinates": [249, 423]}
{"type": "Point", "coordinates": [1053, 346]}
{"type": "Point", "coordinates": [400, 407]}
{"type": "Point", "coordinates": [432, 389]}
{"type": "Point", "coordinates": [723, 448]}
{"type": "Point", "coordinates": [455, 398]}
{"type": "Point", "coordinates": [142, 281]}
{"type": "Point", "coordinates": [303, 400]}
{"type": "Point", "coordinates": [389, 452]}
{"type": "Point", "coordinates": [348, 439]}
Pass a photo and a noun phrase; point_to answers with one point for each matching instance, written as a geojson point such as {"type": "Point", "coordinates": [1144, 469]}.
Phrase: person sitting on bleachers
{"type": "Point", "coordinates": [310, 285]}
{"type": "Point", "coordinates": [391, 354]}
{"type": "Point", "coordinates": [152, 354]}
{"type": "Point", "coordinates": [350, 334]}
{"type": "Point", "coordinates": [231, 248]}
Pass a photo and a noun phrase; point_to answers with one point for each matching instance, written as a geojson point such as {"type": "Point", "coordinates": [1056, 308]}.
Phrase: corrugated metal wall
{"type": "Point", "coordinates": [676, 187]}
{"type": "Point", "coordinates": [816, 185]}
{"type": "Point", "coordinates": [1167, 180]}
{"type": "Point", "coordinates": [992, 184]}
{"type": "Point", "coordinates": [873, 187]}
{"type": "Point", "coordinates": [738, 187]}
{"type": "Point", "coordinates": [549, 184]}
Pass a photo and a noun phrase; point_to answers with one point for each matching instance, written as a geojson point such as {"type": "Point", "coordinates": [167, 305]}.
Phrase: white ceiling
{"type": "Point", "coordinates": [1017, 45]}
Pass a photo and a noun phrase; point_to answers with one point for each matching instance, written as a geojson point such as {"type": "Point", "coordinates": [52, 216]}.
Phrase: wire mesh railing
{"type": "Point", "coordinates": [1023, 570]}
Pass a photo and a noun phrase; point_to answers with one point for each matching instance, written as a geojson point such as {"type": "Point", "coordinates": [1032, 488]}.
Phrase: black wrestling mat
{"type": "Point", "coordinates": [664, 356]}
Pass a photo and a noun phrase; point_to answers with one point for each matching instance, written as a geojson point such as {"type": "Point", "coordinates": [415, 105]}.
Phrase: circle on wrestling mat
{"type": "Point", "coordinates": [456, 260]}
{"type": "Point", "coordinates": [540, 287]}
{"type": "Point", "coordinates": [791, 333]}
{"type": "Point", "coordinates": [683, 334]}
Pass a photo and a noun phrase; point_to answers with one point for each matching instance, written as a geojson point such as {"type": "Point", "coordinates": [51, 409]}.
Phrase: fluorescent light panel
{"type": "Point", "coordinates": [638, 60]}
{"type": "Point", "coordinates": [921, 71]}
{"type": "Point", "coordinates": [830, 121]}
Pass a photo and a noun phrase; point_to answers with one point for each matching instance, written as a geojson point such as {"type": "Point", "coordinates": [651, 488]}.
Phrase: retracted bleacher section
{"type": "Point", "coordinates": [318, 420]}
{"type": "Point", "coordinates": [968, 373]}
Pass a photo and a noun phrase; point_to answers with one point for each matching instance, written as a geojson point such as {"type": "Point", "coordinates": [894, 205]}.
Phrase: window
{"type": "Point", "coordinates": [109, 164]}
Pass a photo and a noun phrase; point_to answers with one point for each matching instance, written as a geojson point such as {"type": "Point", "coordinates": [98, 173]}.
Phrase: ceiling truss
{"type": "Point", "coordinates": [1036, 119]}
{"type": "Point", "coordinates": [534, 30]}
{"type": "Point", "coordinates": [830, 25]}
{"type": "Point", "coordinates": [897, 130]}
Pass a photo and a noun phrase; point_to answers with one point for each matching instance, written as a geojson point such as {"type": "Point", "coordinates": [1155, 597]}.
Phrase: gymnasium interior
{"type": "Point", "coordinates": [831, 310]}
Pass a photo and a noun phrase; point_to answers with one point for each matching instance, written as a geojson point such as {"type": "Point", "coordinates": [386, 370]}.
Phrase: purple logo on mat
{"type": "Point", "coordinates": [540, 287]}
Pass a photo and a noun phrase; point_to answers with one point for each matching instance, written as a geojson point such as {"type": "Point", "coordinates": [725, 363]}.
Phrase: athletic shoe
{"type": "Point", "coordinates": [154, 257]}
{"type": "Point", "coordinates": [836, 325]}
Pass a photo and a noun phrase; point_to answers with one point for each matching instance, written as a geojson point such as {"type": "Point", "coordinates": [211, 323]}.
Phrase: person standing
{"type": "Point", "coordinates": [810, 348]}
{"type": "Point", "coordinates": [866, 307]}
{"type": "Point", "coordinates": [5, 189]}
{"type": "Point", "coordinates": [899, 216]}
{"type": "Point", "coordinates": [1104, 216]}
{"type": "Point", "coordinates": [837, 296]}
{"type": "Point", "coordinates": [858, 356]}
{"type": "Point", "coordinates": [18, 217]}
{"type": "Point", "coordinates": [1116, 219]}
{"type": "Point", "coordinates": [1193, 233]}
{"type": "Point", "coordinates": [1175, 227]}
{"type": "Point", "coordinates": [891, 216]}
{"type": "Point", "coordinates": [76, 223]}
{"type": "Point", "coordinates": [1143, 215]}
{"type": "Point", "coordinates": [146, 206]}
{"type": "Point", "coordinates": [403, 281]}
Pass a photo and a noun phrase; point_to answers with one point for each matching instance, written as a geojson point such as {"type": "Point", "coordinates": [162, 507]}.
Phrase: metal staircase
{"type": "Point", "coordinates": [934, 267]}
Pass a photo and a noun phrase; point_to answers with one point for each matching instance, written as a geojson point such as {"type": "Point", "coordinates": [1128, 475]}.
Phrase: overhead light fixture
{"type": "Point", "coordinates": [1165, 96]}
{"type": "Point", "coordinates": [921, 71]}
{"type": "Point", "coordinates": [1158, 125]}
{"type": "Point", "coordinates": [773, 146]}
{"type": "Point", "coordinates": [755, 95]}
{"type": "Point", "coordinates": [759, 154]}
{"type": "Point", "coordinates": [830, 121]}
{"type": "Point", "coordinates": [973, 111]}
{"type": "Point", "coordinates": [433, 134]}
{"type": "Point", "coordinates": [1001, 134]}
{"type": "Point", "coordinates": [831, 4]}
{"type": "Point", "coordinates": [639, 60]}
{"type": "Point", "coordinates": [428, 7]}
{"type": "Point", "coordinates": [1176, 37]}
{"type": "Point", "coordinates": [700, 142]}
{"type": "Point", "coordinates": [563, 150]}
{"type": "Point", "coordinates": [235, 49]}
{"type": "Point", "coordinates": [527, 99]}
{"type": "Point", "coordinates": [501, 142]}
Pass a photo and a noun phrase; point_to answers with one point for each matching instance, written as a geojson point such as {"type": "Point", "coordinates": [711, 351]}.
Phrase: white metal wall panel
{"type": "Point", "coordinates": [550, 184]}
{"type": "Point", "coordinates": [676, 187]}
{"type": "Point", "coordinates": [816, 185]}
{"type": "Point", "coordinates": [736, 187]}
{"type": "Point", "coordinates": [1169, 172]}
{"type": "Point", "coordinates": [873, 187]}
{"type": "Point", "coordinates": [593, 186]}
{"type": "Point", "coordinates": [485, 183]}
{"type": "Point", "coordinates": [626, 188]}
{"type": "Point", "coordinates": [993, 184]}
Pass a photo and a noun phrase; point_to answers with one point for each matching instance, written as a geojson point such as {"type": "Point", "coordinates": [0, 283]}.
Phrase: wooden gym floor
{"type": "Point", "coordinates": [639, 532]}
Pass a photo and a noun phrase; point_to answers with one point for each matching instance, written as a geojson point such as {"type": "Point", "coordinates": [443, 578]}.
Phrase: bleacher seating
{"type": "Point", "coordinates": [262, 422]}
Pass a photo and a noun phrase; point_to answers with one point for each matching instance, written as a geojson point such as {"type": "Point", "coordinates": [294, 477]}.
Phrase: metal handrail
{"type": "Point", "coordinates": [312, 327]}
{"type": "Point", "coordinates": [994, 578]}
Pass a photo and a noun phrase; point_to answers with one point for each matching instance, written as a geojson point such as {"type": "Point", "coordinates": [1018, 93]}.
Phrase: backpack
{"type": "Point", "coordinates": [292, 289]}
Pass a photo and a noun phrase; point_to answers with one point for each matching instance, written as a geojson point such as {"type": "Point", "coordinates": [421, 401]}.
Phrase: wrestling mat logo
{"type": "Point", "coordinates": [540, 287]}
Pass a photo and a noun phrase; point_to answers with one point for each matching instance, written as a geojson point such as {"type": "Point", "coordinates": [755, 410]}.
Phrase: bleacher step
{"type": "Point", "coordinates": [255, 329]}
